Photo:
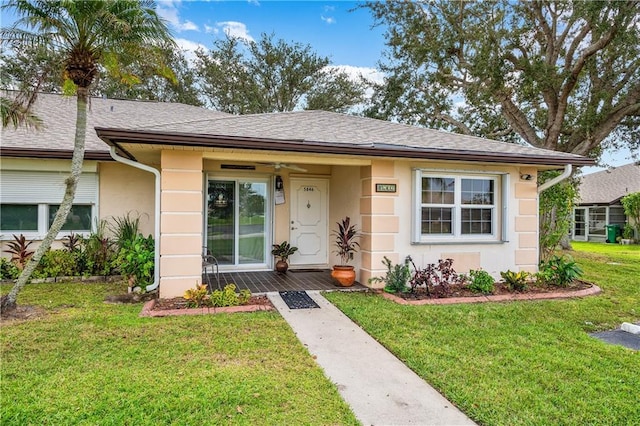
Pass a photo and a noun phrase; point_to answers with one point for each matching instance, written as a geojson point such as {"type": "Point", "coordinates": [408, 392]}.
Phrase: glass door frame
{"type": "Point", "coordinates": [585, 224]}
{"type": "Point", "coordinates": [268, 222]}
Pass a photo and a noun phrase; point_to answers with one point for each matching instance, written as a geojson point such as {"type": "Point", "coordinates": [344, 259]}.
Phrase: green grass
{"type": "Point", "coordinates": [87, 362]}
{"type": "Point", "coordinates": [523, 363]}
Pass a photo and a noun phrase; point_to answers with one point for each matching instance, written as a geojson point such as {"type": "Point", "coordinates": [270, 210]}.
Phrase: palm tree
{"type": "Point", "coordinates": [89, 34]}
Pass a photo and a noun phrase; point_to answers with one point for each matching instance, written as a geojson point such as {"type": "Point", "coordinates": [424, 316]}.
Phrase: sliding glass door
{"type": "Point", "coordinates": [238, 221]}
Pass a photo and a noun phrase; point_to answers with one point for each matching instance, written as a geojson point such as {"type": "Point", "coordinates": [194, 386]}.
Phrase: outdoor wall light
{"type": "Point", "coordinates": [526, 176]}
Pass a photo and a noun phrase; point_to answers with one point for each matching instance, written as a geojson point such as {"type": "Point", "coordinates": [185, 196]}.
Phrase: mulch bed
{"type": "Point", "coordinates": [178, 306]}
{"type": "Point", "coordinates": [461, 294]}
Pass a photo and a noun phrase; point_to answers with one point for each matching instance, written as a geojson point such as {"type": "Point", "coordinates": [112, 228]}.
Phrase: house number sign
{"type": "Point", "coordinates": [386, 187]}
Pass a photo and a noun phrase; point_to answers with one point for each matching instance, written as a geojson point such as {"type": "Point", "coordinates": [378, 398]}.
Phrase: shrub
{"type": "Point", "coordinates": [58, 263]}
{"type": "Point", "coordinates": [515, 280]}
{"type": "Point", "coordinates": [136, 260]}
{"type": "Point", "coordinates": [396, 277]}
{"type": "Point", "coordinates": [481, 282]}
{"type": "Point", "coordinates": [197, 297]}
{"type": "Point", "coordinates": [436, 279]}
{"type": "Point", "coordinates": [229, 297]}
{"type": "Point", "coordinates": [559, 270]}
{"type": "Point", "coordinates": [8, 269]}
{"type": "Point", "coordinates": [99, 253]}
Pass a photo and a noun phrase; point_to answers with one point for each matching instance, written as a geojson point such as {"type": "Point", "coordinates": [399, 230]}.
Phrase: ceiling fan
{"type": "Point", "coordinates": [278, 166]}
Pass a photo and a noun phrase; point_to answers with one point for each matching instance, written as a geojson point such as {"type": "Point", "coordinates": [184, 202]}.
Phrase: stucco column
{"type": "Point", "coordinates": [181, 222]}
{"type": "Point", "coordinates": [380, 223]}
{"type": "Point", "coordinates": [526, 256]}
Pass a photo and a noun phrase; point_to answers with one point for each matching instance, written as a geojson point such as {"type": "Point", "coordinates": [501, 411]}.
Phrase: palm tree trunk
{"type": "Point", "coordinates": [8, 302]}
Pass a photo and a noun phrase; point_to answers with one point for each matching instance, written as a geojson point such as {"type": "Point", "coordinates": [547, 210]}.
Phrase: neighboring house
{"type": "Point", "coordinates": [238, 184]}
{"type": "Point", "coordinates": [599, 201]}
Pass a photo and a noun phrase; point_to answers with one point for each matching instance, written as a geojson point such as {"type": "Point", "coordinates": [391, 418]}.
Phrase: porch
{"type": "Point", "coordinates": [268, 281]}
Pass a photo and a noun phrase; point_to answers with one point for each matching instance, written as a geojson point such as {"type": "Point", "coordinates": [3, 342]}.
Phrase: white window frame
{"type": "Point", "coordinates": [43, 224]}
{"type": "Point", "coordinates": [499, 208]}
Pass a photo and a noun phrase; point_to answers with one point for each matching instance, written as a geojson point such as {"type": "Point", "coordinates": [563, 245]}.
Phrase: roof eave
{"type": "Point", "coordinates": [116, 137]}
{"type": "Point", "coordinates": [54, 154]}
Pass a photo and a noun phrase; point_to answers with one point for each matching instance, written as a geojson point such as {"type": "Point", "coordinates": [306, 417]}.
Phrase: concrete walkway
{"type": "Point", "coordinates": [380, 389]}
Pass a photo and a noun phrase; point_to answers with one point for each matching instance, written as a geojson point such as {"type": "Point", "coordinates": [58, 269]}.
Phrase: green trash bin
{"type": "Point", "coordinates": [613, 232]}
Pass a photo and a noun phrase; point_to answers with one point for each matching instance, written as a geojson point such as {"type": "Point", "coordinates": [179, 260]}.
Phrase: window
{"type": "Point", "coordinates": [34, 220]}
{"type": "Point", "coordinates": [19, 217]}
{"type": "Point", "coordinates": [78, 219]}
{"type": "Point", "coordinates": [456, 207]}
{"type": "Point", "coordinates": [597, 220]}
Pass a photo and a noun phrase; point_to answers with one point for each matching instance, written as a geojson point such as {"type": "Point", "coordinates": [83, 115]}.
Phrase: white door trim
{"type": "Point", "coordinates": [295, 260]}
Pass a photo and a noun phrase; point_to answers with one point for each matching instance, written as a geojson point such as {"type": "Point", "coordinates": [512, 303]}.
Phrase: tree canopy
{"type": "Point", "coordinates": [246, 77]}
{"type": "Point", "coordinates": [560, 75]}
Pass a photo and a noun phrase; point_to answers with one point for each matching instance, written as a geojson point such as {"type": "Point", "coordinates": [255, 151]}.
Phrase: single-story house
{"type": "Point", "coordinates": [599, 202]}
{"type": "Point", "coordinates": [238, 184]}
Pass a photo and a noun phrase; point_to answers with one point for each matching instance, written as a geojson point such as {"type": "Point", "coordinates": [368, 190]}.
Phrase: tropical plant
{"type": "Point", "coordinates": [283, 250]}
{"type": "Point", "coordinates": [559, 270]}
{"type": "Point", "coordinates": [73, 242]}
{"type": "Point", "coordinates": [124, 228]}
{"type": "Point", "coordinates": [481, 281]}
{"type": "Point", "coordinates": [19, 249]}
{"type": "Point", "coordinates": [228, 296]}
{"type": "Point", "coordinates": [515, 280]}
{"type": "Point", "coordinates": [345, 240]}
{"type": "Point", "coordinates": [556, 213]}
{"type": "Point", "coordinates": [99, 252]}
{"type": "Point", "coordinates": [197, 297]}
{"type": "Point", "coordinates": [631, 204]}
{"type": "Point", "coordinates": [396, 278]}
{"type": "Point", "coordinates": [435, 279]}
{"type": "Point", "coordinates": [136, 260]}
{"type": "Point", "coordinates": [627, 231]}
{"type": "Point", "coordinates": [89, 33]}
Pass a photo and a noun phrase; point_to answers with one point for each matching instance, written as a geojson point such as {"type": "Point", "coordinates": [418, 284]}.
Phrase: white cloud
{"type": "Point", "coordinates": [189, 47]}
{"type": "Point", "coordinates": [371, 74]}
{"type": "Point", "coordinates": [168, 10]}
{"type": "Point", "coordinates": [328, 19]}
{"type": "Point", "coordinates": [235, 29]}
{"type": "Point", "coordinates": [329, 8]}
{"type": "Point", "coordinates": [210, 30]}
{"type": "Point", "coordinates": [254, 2]}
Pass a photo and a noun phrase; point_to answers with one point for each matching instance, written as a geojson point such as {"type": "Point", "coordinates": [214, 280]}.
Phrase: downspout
{"type": "Point", "coordinates": [558, 179]}
{"type": "Point", "coordinates": [156, 231]}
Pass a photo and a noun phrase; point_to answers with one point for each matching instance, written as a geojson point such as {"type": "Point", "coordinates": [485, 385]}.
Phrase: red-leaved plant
{"type": "Point", "coordinates": [345, 240]}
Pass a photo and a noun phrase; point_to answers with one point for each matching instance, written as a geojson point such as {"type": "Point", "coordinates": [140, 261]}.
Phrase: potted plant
{"type": "Point", "coordinates": [283, 251]}
{"type": "Point", "coordinates": [346, 244]}
{"type": "Point", "coordinates": [627, 234]}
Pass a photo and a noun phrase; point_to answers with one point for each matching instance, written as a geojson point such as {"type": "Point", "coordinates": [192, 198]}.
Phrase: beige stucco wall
{"type": "Point", "coordinates": [517, 252]}
{"type": "Point", "coordinates": [181, 222]}
{"type": "Point", "coordinates": [344, 200]}
{"type": "Point", "coordinates": [125, 189]}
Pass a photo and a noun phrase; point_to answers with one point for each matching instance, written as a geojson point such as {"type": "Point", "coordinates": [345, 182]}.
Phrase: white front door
{"type": "Point", "coordinates": [308, 225]}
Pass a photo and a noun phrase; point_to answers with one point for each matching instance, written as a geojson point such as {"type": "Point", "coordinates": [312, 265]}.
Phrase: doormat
{"type": "Point", "coordinates": [307, 270]}
{"type": "Point", "coordinates": [298, 300]}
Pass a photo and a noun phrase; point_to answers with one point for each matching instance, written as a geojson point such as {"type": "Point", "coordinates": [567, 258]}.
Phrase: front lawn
{"type": "Point", "coordinates": [87, 362]}
{"type": "Point", "coordinates": [523, 363]}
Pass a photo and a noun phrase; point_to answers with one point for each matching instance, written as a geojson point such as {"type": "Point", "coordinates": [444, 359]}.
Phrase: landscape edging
{"type": "Point", "coordinates": [593, 290]}
{"type": "Point", "coordinates": [147, 310]}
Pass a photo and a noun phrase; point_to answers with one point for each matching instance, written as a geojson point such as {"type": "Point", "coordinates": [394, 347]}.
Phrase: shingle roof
{"type": "Point", "coordinates": [58, 115]}
{"type": "Point", "coordinates": [608, 186]}
{"type": "Point", "coordinates": [307, 131]}
{"type": "Point", "coordinates": [341, 129]}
